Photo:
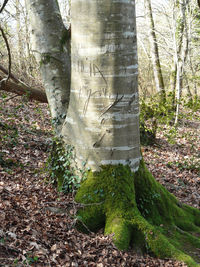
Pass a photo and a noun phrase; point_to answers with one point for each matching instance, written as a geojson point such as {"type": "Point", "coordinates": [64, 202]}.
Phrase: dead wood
{"type": "Point", "coordinates": [20, 88]}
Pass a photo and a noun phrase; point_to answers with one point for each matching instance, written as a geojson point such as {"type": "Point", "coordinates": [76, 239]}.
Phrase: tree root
{"type": "Point", "coordinates": [140, 213]}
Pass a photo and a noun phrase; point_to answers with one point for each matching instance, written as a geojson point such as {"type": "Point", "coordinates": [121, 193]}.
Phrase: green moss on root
{"type": "Point", "coordinates": [139, 212]}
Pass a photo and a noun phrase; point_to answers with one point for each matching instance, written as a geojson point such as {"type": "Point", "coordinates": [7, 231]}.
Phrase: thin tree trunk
{"type": "Point", "coordinates": [188, 90]}
{"type": "Point", "coordinates": [178, 43]}
{"type": "Point", "coordinates": [159, 81]}
{"type": "Point", "coordinates": [27, 35]}
{"type": "Point", "coordinates": [19, 35]}
{"type": "Point", "coordinates": [181, 58]}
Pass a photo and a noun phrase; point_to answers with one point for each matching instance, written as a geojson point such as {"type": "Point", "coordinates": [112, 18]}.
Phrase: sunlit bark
{"type": "Point", "coordinates": [158, 77]}
{"type": "Point", "coordinates": [49, 44]}
{"type": "Point", "coordinates": [103, 118]}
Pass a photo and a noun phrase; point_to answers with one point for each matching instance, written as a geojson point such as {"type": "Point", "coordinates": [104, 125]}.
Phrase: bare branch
{"type": "Point", "coordinates": [3, 6]}
{"type": "Point", "coordinates": [11, 75]}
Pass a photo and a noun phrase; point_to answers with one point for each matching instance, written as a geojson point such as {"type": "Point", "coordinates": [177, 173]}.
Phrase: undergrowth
{"type": "Point", "coordinates": [62, 167]}
{"type": "Point", "coordinates": [155, 115]}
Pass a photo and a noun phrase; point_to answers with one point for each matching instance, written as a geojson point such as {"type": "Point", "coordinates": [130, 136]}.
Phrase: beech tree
{"type": "Point", "coordinates": [96, 111]}
{"type": "Point", "coordinates": [158, 77]}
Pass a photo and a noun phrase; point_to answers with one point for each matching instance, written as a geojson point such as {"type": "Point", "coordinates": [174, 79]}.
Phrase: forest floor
{"type": "Point", "coordinates": [37, 222]}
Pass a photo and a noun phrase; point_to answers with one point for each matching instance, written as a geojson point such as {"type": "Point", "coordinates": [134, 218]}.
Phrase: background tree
{"type": "Point", "coordinates": [158, 77]}
{"type": "Point", "coordinates": [181, 52]}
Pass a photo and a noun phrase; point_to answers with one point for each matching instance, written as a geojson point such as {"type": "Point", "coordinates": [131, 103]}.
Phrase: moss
{"type": "Point", "coordinates": [162, 207]}
{"type": "Point", "coordinates": [140, 212]}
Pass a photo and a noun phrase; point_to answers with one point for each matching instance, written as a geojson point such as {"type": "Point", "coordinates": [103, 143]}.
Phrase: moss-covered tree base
{"type": "Point", "coordinates": [140, 213]}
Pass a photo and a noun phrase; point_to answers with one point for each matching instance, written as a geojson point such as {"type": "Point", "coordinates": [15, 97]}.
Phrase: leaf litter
{"type": "Point", "coordinates": [37, 222]}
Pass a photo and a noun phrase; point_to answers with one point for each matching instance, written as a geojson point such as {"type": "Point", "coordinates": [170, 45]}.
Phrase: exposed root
{"type": "Point", "coordinates": [140, 213]}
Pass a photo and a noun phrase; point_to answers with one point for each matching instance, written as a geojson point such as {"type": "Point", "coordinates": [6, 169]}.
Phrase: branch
{"type": "Point", "coordinates": [3, 6]}
{"type": "Point", "coordinates": [9, 54]}
{"type": "Point", "coordinates": [20, 88]}
{"type": "Point", "coordinates": [11, 75]}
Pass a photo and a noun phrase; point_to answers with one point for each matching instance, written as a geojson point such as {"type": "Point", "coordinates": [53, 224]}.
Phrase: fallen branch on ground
{"type": "Point", "coordinates": [20, 88]}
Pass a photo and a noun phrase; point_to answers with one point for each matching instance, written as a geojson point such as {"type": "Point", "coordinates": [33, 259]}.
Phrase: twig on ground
{"type": "Point", "coordinates": [6, 100]}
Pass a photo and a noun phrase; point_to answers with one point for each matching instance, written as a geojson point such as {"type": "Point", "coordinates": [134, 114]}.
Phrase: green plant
{"type": "Point", "coordinates": [171, 135]}
{"type": "Point", "coordinates": [30, 259]}
{"type": "Point", "coordinates": [154, 112]}
{"type": "Point", "coordinates": [192, 164]}
{"type": "Point", "coordinates": [193, 104]}
{"type": "Point", "coordinates": [145, 201]}
{"type": "Point", "coordinates": [2, 240]}
{"type": "Point", "coordinates": [62, 167]}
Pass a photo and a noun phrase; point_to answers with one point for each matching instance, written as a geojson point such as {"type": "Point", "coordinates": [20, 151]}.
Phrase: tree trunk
{"type": "Point", "coordinates": [105, 127]}
{"type": "Point", "coordinates": [198, 3]}
{"type": "Point", "coordinates": [102, 124]}
{"type": "Point", "coordinates": [49, 42]}
{"type": "Point", "coordinates": [19, 35]}
{"type": "Point", "coordinates": [181, 58]}
{"type": "Point", "coordinates": [104, 131]}
{"type": "Point", "coordinates": [158, 77]}
{"type": "Point", "coordinates": [178, 35]}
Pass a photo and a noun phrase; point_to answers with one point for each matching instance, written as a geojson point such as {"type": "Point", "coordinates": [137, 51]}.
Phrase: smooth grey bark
{"type": "Point", "coordinates": [19, 34]}
{"type": "Point", "coordinates": [181, 56]}
{"type": "Point", "coordinates": [158, 77]}
{"type": "Point", "coordinates": [102, 122]}
{"type": "Point", "coordinates": [49, 45]}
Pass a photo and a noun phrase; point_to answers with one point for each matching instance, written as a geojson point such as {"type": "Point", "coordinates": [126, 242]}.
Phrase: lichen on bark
{"type": "Point", "coordinates": [140, 213]}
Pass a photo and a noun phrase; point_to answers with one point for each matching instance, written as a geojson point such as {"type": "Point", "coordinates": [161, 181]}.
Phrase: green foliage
{"type": "Point", "coordinates": [8, 137]}
{"type": "Point", "coordinates": [2, 240]}
{"type": "Point", "coordinates": [66, 36]}
{"type": "Point", "coordinates": [45, 59]}
{"type": "Point", "coordinates": [9, 133]}
{"type": "Point", "coordinates": [8, 162]}
{"type": "Point", "coordinates": [30, 259]}
{"type": "Point", "coordinates": [191, 164]}
{"type": "Point", "coordinates": [154, 112]}
{"type": "Point", "coordinates": [193, 104]}
{"type": "Point", "coordinates": [146, 200]}
{"type": "Point", "coordinates": [171, 135]}
{"type": "Point", "coordinates": [62, 167]}
{"type": "Point", "coordinates": [57, 121]}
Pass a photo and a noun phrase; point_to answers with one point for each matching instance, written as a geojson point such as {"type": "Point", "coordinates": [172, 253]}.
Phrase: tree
{"type": "Point", "coordinates": [19, 35]}
{"type": "Point", "coordinates": [101, 122]}
{"type": "Point", "coordinates": [181, 53]}
{"type": "Point", "coordinates": [158, 77]}
{"type": "Point", "coordinates": [49, 37]}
